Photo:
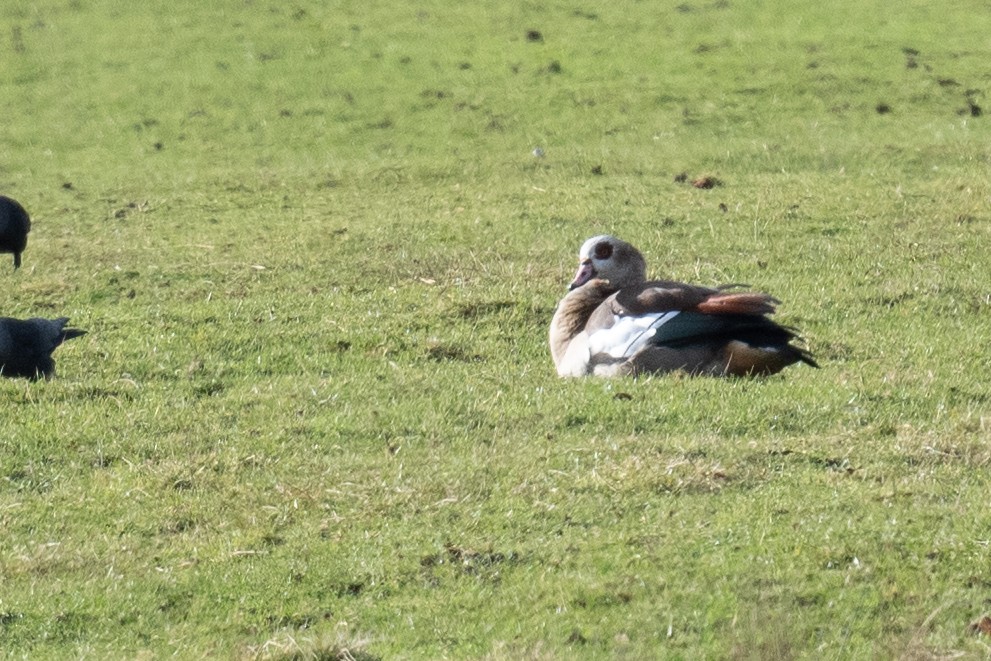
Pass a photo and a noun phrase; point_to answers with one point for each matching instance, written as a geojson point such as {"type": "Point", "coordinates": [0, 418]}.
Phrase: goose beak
{"type": "Point", "coordinates": [585, 273]}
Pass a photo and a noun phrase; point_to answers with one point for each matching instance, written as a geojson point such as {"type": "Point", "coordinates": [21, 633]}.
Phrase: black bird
{"type": "Point", "coordinates": [26, 345]}
{"type": "Point", "coordinates": [14, 227]}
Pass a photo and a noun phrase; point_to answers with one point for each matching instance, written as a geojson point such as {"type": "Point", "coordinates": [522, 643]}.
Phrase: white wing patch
{"type": "Point", "coordinates": [628, 334]}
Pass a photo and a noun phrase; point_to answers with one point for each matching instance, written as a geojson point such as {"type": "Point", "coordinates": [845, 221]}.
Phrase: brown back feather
{"type": "Point", "coordinates": [745, 303]}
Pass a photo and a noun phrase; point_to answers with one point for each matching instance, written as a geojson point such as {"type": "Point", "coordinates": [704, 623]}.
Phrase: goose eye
{"type": "Point", "coordinates": [602, 250]}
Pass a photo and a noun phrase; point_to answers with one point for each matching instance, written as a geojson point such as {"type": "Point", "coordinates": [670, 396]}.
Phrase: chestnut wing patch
{"type": "Point", "coordinates": [660, 296]}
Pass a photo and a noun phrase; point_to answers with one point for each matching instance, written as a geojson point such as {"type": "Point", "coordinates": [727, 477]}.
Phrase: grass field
{"type": "Point", "coordinates": [315, 415]}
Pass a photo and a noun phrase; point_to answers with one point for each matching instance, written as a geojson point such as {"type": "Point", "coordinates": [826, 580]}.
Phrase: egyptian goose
{"type": "Point", "coordinates": [14, 227]}
{"type": "Point", "coordinates": [614, 321]}
{"type": "Point", "coordinates": [26, 345]}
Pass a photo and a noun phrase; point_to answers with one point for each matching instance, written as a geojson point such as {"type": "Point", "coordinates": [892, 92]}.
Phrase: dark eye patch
{"type": "Point", "coordinates": [602, 250]}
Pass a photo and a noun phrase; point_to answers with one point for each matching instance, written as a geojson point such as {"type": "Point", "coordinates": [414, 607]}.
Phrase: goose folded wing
{"type": "Point", "coordinates": [661, 296]}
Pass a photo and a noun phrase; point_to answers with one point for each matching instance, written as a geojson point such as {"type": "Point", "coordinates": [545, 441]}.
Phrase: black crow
{"type": "Point", "coordinates": [26, 345]}
{"type": "Point", "coordinates": [14, 227]}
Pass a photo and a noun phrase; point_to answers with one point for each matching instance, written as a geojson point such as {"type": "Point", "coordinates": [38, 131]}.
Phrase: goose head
{"type": "Point", "coordinates": [608, 258]}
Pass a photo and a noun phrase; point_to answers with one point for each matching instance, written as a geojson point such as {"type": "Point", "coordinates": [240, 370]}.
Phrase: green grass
{"type": "Point", "coordinates": [315, 414]}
